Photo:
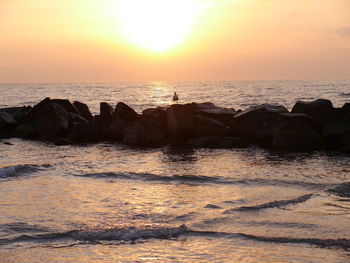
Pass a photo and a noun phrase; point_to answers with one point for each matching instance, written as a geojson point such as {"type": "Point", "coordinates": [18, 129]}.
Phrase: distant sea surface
{"type": "Point", "coordinates": [108, 202]}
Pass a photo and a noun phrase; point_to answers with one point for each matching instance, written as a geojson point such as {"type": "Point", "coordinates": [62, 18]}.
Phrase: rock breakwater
{"type": "Point", "coordinates": [313, 125]}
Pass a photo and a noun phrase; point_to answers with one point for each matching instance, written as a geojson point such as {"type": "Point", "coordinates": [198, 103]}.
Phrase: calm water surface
{"type": "Point", "coordinates": [111, 203]}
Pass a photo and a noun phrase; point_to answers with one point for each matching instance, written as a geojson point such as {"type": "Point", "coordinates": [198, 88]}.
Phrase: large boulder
{"type": "Point", "coordinates": [67, 105]}
{"type": "Point", "coordinates": [7, 121]}
{"type": "Point", "coordinates": [105, 118]}
{"type": "Point", "coordinates": [152, 127]}
{"type": "Point", "coordinates": [29, 119]}
{"type": "Point", "coordinates": [337, 123]}
{"type": "Point", "coordinates": [218, 142]}
{"type": "Point", "coordinates": [52, 120]}
{"type": "Point", "coordinates": [84, 132]}
{"type": "Point", "coordinates": [288, 116]}
{"type": "Point", "coordinates": [125, 112]}
{"type": "Point", "coordinates": [344, 142]}
{"type": "Point", "coordinates": [115, 130]}
{"type": "Point", "coordinates": [17, 112]}
{"type": "Point", "coordinates": [83, 109]}
{"type": "Point", "coordinates": [76, 118]}
{"type": "Point", "coordinates": [207, 127]}
{"type": "Point", "coordinates": [180, 122]}
{"type": "Point", "coordinates": [7, 124]}
{"type": "Point", "coordinates": [121, 117]}
{"type": "Point", "coordinates": [320, 110]}
{"type": "Point", "coordinates": [25, 131]}
{"type": "Point", "coordinates": [210, 110]}
{"type": "Point", "coordinates": [130, 133]}
{"type": "Point", "coordinates": [346, 107]}
{"type": "Point", "coordinates": [258, 123]}
{"type": "Point", "coordinates": [47, 119]}
{"type": "Point", "coordinates": [296, 135]}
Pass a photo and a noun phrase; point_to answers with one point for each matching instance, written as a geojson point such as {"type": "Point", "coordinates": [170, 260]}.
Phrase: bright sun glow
{"type": "Point", "coordinates": [156, 25]}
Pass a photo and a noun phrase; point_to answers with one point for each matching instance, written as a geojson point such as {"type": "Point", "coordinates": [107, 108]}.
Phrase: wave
{"type": "Point", "coordinates": [22, 169]}
{"type": "Point", "coordinates": [342, 243]}
{"type": "Point", "coordinates": [274, 204]}
{"type": "Point", "coordinates": [345, 94]}
{"type": "Point", "coordinates": [154, 177]}
{"type": "Point", "coordinates": [323, 243]}
{"type": "Point", "coordinates": [21, 227]}
{"type": "Point", "coordinates": [95, 235]}
{"type": "Point", "coordinates": [342, 190]}
{"type": "Point", "coordinates": [193, 179]}
{"type": "Point", "coordinates": [132, 234]}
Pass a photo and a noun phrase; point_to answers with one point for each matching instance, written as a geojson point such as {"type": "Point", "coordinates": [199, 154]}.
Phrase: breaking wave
{"type": "Point", "coordinates": [342, 190]}
{"type": "Point", "coordinates": [274, 204]}
{"type": "Point", "coordinates": [95, 235]}
{"type": "Point", "coordinates": [133, 234]}
{"type": "Point", "coordinates": [200, 179]}
{"type": "Point", "coordinates": [23, 169]}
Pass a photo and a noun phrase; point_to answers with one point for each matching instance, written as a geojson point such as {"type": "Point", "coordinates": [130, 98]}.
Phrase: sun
{"type": "Point", "coordinates": [156, 25]}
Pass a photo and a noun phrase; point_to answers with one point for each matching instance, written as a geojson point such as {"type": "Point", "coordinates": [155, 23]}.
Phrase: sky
{"type": "Point", "coordinates": [173, 40]}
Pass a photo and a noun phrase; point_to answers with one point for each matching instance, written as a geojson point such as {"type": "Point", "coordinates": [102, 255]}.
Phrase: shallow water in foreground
{"type": "Point", "coordinates": [111, 203]}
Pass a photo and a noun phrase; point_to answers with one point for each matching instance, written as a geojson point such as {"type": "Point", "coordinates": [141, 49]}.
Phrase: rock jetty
{"type": "Point", "coordinates": [312, 125]}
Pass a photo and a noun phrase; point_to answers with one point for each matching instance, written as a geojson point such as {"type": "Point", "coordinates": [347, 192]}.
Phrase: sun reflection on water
{"type": "Point", "coordinates": [161, 92]}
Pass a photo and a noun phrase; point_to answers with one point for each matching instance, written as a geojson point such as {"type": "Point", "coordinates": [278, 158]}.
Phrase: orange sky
{"type": "Point", "coordinates": [84, 41]}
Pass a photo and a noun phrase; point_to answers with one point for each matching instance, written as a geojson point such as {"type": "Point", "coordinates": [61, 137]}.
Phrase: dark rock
{"type": "Point", "coordinates": [218, 142]}
{"type": "Point", "coordinates": [337, 123]}
{"type": "Point", "coordinates": [152, 127]}
{"type": "Point", "coordinates": [115, 131]}
{"type": "Point", "coordinates": [25, 131]}
{"type": "Point", "coordinates": [208, 127]}
{"type": "Point", "coordinates": [7, 124]}
{"type": "Point", "coordinates": [125, 112]}
{"type": "Point", "coordinates": [64, 141]}
{"type": "Point", "coordinates": [181, 122]}
{"type": "Point", "coordinates": [30, 117]}
{"type": "Point", "coordinates": [17, 112]}
{"type": "Point", "coordinates": [320, 110]}
{"type": "Point", "coordinates": [6, 134]}
{"type": "Point", "coordinates": [7, 121]}
{"type": "Point", "coordinates": [121, 117]}
{"type": "Point", "coordinates": [106, 111]}
{"type": "Point", "coordinates": [83, 109]}
{"type": "Point", "coordinates": [158, 114]}
{"type": "Point", "coordinates": [343, 142]}
{"type": "Point", "coordinates": [346, 107]}
{"type": "Point", "coordinates": [84, 132]}
{"type": "Point", "coordinates": [8, 143]}
{"type": "Point", "coordinates": [66, 104]}
{"type": "Point", "coordinates": [51, 120]}
{"type": "Point", "coordinates": [298, 136]}
{"type": "Point", "coordinates": [335, 126]}
{"type": "Point", "coordinates": [130, 134]}
{"type": "Point", "coordinates": [258, 123]}
{"type": "Point", "coordinates": [212, 111]}
{"type": "Point", "coordinates": [303, 117]}
{"type": "Point", "coordinates": [150, 137]}
{"type": "Point", "coordinates": [76, 118]}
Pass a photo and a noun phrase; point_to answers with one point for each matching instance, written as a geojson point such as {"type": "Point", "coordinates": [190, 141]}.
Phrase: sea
{"type": "Point", "coordinates": [107, 202]}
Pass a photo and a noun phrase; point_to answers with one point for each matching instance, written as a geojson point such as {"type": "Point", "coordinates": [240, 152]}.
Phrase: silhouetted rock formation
{"type": "Point", "coordinates": [314, 125]}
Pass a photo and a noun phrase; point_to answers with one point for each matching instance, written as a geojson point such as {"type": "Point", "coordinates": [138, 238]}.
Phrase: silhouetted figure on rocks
{"type": "Point", "coordinates": [175, 97]}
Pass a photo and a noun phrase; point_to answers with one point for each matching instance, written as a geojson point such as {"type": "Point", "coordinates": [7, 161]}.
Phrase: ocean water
{"type": "Point", "coordinates": [108, 202]}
